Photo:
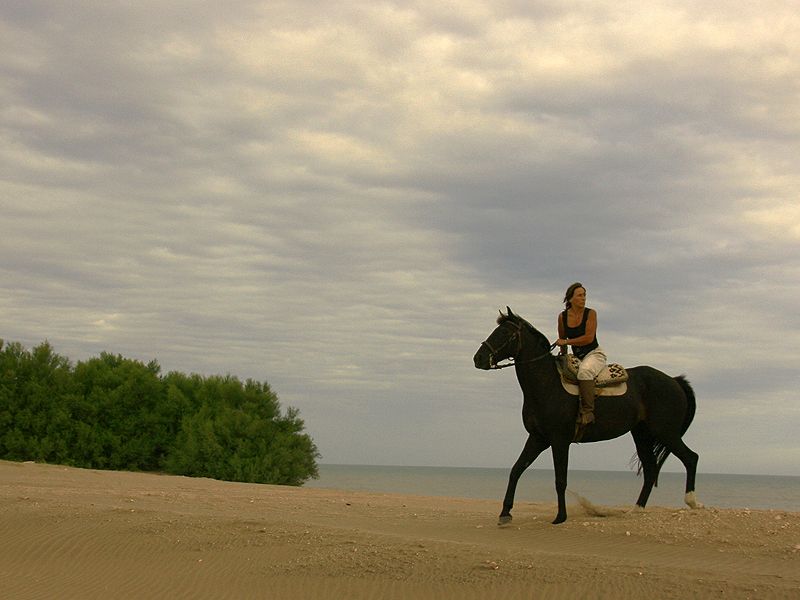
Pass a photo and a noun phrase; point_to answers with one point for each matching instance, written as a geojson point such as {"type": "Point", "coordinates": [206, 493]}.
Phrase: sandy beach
{"type": "Point", "coordinates": [75, 533]}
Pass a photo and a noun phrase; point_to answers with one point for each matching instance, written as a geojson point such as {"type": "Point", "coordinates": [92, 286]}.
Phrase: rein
{"type": "Point", "coordinates": [514, 362]}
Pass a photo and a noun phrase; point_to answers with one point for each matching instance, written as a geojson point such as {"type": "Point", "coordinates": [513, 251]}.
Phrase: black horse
{"type": "Point", "coordinates": [657, 409]}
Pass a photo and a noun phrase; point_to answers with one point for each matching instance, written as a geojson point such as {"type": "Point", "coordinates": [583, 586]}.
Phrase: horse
{"type": "Point", "coordinates": [656, 409]}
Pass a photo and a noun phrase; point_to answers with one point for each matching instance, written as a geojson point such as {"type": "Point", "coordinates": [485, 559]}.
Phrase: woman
{"type": "Point", "coordinates": [577, 327]}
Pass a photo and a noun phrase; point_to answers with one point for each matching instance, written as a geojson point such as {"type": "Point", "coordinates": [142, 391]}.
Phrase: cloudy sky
{"type": "Point", "coordinates": [338, 197]}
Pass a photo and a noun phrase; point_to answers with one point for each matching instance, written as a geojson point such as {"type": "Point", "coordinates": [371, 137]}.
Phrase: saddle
{"type": "Point", "coordinates": [613, 374]}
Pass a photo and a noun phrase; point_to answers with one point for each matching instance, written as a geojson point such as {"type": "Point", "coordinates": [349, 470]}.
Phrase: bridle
{"type": "Point", "coordinates": [513, 358]}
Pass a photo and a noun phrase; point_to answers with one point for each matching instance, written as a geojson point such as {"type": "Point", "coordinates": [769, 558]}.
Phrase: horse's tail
{"type": "Point", "coordinates": [661, 452]}
{"type": "Point", "coordinates": [691, 402]}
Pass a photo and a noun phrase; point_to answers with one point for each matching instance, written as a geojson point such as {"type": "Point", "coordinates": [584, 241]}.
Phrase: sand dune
{"type": "Point", "coordinates": [74, 533]}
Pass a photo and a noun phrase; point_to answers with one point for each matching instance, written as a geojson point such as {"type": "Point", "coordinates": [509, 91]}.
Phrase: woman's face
{"type": "Point", "coordinates": [578, 298]}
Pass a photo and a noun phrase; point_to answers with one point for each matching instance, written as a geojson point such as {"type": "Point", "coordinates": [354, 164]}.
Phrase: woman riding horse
{"type": "Point", "coordinates": [577, 327]}
{"type": "Point", "coordinates": [655, 408]}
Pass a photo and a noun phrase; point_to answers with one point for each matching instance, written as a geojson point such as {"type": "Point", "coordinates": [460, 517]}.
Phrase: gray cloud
{"type": "Point", "coordinates": [338, 198]}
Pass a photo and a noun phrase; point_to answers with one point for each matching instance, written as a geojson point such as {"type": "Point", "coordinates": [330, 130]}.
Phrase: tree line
{"type": "Point", "coordinates": [116, 413]}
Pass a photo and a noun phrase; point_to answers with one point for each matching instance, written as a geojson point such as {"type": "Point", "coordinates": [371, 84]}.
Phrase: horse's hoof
{"type": "Point", "coordinates": [503, 520]}
{"type": "Point", "coordinates": [691, 501]}
{"type": "Point", "coordinates": [559, 519]}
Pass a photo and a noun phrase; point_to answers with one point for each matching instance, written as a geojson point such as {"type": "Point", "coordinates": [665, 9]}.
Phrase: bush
{"type": "Point", "coordinates": [116, 413]}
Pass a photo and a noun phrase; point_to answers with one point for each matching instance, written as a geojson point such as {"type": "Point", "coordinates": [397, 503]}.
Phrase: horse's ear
{"type": "Point", "coordinates": [510, 314]}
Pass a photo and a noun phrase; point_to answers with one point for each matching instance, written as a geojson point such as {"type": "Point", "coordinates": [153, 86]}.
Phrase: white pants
{"type": "Point", "coordinates": [592, 364]}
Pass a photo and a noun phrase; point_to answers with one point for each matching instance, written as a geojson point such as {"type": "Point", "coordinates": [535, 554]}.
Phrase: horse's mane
{"type": "Point", "coordinates": [520, 321]}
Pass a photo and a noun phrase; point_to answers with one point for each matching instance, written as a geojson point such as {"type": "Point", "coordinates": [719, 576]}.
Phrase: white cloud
{"type": "Point", "coordinates": [776, 219]}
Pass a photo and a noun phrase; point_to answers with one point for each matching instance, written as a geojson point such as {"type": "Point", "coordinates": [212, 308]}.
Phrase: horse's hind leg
{"type": "Point", "coordinates": [645, 450]}
{"type": "Point", "coordinates": [689, 459]}
{"type": "Point", "coordinates": [533, 448]}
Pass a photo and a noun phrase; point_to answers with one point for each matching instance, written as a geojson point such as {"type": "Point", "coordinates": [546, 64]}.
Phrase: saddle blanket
{"type": "Point", "coordinates": [613, 390]}
{"type": "Point", "coordinates": [612, 380]}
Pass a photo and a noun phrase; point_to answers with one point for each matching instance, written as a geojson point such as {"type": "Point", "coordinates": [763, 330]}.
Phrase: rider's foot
{"type": "Point", "coordinates": [582, 423]}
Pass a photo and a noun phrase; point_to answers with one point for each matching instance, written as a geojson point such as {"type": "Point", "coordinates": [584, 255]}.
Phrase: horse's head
{"type": "Point", "coordinates": [513, 338]}
{"type": "Point", "coordinates": [504, 342]}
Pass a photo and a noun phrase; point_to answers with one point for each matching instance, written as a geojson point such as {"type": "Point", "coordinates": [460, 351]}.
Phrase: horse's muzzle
{"type": "Point", "coordinates": [483, 358]}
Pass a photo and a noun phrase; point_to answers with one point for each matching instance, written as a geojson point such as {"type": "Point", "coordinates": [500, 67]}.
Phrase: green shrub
{"type": "Point", "coordinates": [115, 413]}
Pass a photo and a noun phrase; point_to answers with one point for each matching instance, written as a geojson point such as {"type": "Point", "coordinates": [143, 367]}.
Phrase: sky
{"type": "Point", "coordinates": [337, 198]}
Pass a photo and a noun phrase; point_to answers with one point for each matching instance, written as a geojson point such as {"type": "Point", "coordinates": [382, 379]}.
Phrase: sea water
{"type": "Point", "coordinates": [607, 488]}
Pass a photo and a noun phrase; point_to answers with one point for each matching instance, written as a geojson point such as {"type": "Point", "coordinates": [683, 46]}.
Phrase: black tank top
{"type": "Point", "coordinates": [579, 331]}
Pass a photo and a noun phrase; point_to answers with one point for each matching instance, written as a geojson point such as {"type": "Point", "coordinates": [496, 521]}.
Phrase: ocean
{"type": "Point", "coordinates": [605, 488]}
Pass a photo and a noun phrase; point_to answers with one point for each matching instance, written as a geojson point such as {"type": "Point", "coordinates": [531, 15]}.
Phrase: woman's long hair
{"type": "Point", "coordinates": [570, 291]}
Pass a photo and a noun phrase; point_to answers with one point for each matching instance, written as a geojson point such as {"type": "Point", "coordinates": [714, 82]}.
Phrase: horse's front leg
{"type": "Point", "coordinates": [560, 462]}
{"type": "Point", "coordinates": [533, 448]}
